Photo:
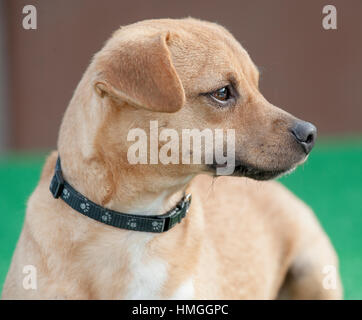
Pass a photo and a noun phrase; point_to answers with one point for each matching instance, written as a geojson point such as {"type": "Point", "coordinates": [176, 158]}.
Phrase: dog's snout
{"type": "Point", "coordinates": [305, 133]}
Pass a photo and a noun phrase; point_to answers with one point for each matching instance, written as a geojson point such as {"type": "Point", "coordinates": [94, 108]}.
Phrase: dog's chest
{"type": "Point", "coordinates": [149, 274]}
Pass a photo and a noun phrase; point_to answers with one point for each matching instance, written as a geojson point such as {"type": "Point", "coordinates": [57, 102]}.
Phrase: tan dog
{"type": "Point", "coordinates": [241, 239]}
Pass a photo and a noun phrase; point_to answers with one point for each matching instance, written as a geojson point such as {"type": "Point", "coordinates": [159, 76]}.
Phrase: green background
{"type": "Point", "coordinates": [330, 182]}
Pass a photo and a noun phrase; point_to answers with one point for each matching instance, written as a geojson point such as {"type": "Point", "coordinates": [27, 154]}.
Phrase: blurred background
{"type": "Point", "coordinates": [311, 72]}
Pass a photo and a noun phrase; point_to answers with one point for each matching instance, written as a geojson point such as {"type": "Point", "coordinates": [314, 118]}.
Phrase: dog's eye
{"type": "Point", "coordinates": [221, 95]}
{"type": "Point", "coordinates": [225, 96]}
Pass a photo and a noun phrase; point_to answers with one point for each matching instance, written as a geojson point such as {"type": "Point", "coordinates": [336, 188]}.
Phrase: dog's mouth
{"type": "Point", "coordinates": [250, 171]}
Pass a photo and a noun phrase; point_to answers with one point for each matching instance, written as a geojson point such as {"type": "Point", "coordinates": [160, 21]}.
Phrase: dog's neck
{"type": "Point", "coordinates": [95, 181]}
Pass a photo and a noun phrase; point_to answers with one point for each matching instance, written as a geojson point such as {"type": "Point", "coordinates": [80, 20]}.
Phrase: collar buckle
{"type": "Point", "coordinates": [177, 214]}
{"type": "Point", "coordinates": [57, 184]}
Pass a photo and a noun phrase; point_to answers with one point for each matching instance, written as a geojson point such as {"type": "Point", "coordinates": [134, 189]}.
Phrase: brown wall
{"type": "Point", "coordinates": [311, 72]}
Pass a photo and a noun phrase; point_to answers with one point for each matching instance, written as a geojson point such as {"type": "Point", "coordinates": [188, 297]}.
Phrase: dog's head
{"type": "Point", "coordinates": [190, 74]}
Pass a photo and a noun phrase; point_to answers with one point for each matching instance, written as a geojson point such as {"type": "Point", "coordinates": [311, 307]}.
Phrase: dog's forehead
{"type": "Point", "coordinates": [200, 50]}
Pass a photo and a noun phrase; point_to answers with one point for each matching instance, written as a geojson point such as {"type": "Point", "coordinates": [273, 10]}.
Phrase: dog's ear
{"type": "Point", "coordinates": [140, 72]}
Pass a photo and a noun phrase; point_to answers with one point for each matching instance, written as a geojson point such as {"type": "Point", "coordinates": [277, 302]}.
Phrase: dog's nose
{"type": "Point", "coordinates": [305, 133]}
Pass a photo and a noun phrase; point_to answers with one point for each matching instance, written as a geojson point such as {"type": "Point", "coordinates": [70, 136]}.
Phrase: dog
{"type": "Point", "coordinates": [240, 239]}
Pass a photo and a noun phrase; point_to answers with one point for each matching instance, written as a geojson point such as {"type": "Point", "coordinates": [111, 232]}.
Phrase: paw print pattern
{"type": "Point", "coordinates": [132, 223]}
{"type": "Point", "coordinates": [84, 206]}
{"type": "Point", "coordinates": [106, 217]}
{"type": "Point", "coordinates": [156, 226]}
{"type": "Point", "coordinates": [66, 194]}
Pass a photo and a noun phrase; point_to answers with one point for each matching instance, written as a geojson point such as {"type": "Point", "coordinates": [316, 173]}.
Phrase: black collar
{"type": "Point", "coordinates": [153, 223]}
